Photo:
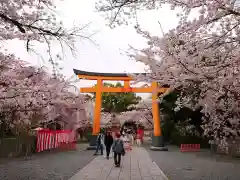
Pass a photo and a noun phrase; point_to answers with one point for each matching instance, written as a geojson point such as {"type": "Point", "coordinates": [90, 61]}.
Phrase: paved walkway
{"type": "Point", "coordinates": [136, 165]}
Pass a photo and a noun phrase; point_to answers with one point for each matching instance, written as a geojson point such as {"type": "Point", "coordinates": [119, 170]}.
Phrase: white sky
{"type": "Point", "coordinates": [106, 56]}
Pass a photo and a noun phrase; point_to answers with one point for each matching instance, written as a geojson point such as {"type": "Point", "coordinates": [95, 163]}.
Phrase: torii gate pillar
{"type": "Point", "coordinates": [157, 138]}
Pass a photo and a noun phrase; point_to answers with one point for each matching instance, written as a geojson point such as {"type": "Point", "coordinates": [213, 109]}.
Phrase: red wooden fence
{"type": "Point", "coordinates": [190, 147]}
{"type": "Point", "coordinates": [49, 139]}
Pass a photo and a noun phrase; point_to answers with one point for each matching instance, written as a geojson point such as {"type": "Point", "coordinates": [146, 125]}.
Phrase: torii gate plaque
{"type": "Point", "coordinates": [157, 139]}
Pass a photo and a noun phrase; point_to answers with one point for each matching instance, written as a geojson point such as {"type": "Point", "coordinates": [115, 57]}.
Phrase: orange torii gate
{"type": "Point", "coordinates": [157, 139]}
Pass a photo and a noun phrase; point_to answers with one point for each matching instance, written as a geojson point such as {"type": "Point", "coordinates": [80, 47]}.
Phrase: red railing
{"type": "Point", "coordinates": [190, 147]}
{"type": "Point", "coordinates": [49, 139]}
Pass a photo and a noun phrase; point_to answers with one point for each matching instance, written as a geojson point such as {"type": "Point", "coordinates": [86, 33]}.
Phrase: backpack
{"type": "Point", "coordinates": [118, 146]}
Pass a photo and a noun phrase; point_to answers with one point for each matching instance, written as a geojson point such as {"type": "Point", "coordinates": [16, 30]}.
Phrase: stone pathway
{"type": "Point", "coordinates": [136, 165]}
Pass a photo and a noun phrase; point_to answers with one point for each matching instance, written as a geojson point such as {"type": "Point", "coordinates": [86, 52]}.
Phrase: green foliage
{"type": "Point", "coordinates": [183, 115]}
{"type": "Point", "coordinates": [167, 104]}
{"type": "Point", "coordinates": [118, 102]}
{"type": "Point", "coordinates": [175, 122]}
{"type": "Point", "coordinates": [168, 128]}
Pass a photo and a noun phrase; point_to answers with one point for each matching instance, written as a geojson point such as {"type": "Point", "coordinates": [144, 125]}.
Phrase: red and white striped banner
{"type": "Point", "coordinates": [49, 139]}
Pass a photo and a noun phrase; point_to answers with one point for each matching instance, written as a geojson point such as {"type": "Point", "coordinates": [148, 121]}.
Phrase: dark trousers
{"type": "Point", "coordinates": [99, 146]}
{"type": "Point", "coordinates": [117, 158]}
{"type": "Point", "coordinates": [108, 149]}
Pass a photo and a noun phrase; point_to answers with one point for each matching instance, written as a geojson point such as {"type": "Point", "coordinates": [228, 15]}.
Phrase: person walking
{"type": "Point", "coordinates": [99, 143]}
{"type": "Point", "coordinates": [108, 141]}
{"type": "Point", "coordinates": [118, 150]}
{"type": "Point", "coordinates": [139, 140]}
{"type": "Point", "coordinates": [131, 139]}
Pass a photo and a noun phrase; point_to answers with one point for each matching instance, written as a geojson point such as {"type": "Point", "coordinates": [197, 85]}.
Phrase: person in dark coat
{"type": "Point", "coordinates": [118, 149]}
{"type": "Point", "coordinates": [108, 141]}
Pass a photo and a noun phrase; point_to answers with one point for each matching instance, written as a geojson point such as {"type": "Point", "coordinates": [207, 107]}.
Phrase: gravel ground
{"type": "Point", "coordinates": [196, 166]}
{"type": "Point", "coordinates": [47, 166]}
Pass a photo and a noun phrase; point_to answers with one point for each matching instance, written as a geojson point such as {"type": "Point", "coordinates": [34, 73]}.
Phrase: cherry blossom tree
{"type": "Point", "coordinates": [200, 52]}
{"type": "Point", "coordinates": [89, 107]}
{"type": "Point", "coordinates": [37, 22]}
{"type": "Point", "coordinates": [106, 118]}
{"type": "Point", "coordinates": [143, 117]}
{"type": "Point", "coordinates": [29, 95]}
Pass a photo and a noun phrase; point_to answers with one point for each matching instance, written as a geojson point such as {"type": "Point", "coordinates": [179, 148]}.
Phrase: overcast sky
{"type": "Point", "coordinates": [107, 55]}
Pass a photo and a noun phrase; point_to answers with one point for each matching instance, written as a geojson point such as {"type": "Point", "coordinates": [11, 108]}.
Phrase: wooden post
{"type": "Point", "coordinates": [155, 111]}
{"type": "Point", "coordinates": [98, 107]}
{"type": "Point", "coordinates": [126, 84]}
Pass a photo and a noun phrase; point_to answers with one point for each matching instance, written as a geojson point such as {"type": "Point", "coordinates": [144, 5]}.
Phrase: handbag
{"type": "Point", "coordinates": [123, 152]}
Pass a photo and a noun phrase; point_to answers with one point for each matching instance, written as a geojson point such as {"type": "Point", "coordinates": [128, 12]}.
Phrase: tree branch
{"type": "Point", "coordinates": [14, 22]}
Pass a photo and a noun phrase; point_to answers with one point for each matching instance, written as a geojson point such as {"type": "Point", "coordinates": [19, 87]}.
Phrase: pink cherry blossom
{"type": "Point", "coordinates": [30, 96]}
{"type": "Point", "coordinates": [143, 117]}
